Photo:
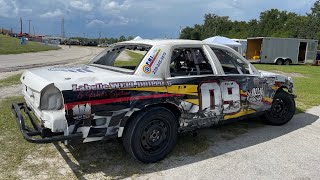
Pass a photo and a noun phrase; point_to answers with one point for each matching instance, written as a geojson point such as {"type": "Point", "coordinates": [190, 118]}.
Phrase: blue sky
{"type": "Point", "coordinates": [146, 18]}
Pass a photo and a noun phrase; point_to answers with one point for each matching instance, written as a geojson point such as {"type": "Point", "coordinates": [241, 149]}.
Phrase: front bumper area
{"type": "Point", "coordinates": [28, 133]}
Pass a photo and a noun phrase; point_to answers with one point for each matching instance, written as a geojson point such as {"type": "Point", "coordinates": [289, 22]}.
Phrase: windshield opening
{"type": "Point", "coordinates": [126, 57]}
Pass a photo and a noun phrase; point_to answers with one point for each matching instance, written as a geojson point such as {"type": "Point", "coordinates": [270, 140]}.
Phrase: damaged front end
{"type": "Point", "coordinates": [46, 135]}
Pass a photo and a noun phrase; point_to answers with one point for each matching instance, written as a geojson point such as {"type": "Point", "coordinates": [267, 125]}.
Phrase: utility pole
{"type": "Point", "coordinates": [20, 26]}
{"type": "Point", "coordinates": [99, 37]}
{"type": "Point", "coordinates": [34, 33]}
{"type": "Point", "coordinates": [29, 25]}
{"type": "Point", "coordinates": [62, 28]}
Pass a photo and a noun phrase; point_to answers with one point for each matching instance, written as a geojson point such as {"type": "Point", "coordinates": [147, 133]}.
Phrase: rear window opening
{"type": "Point", "coordinates": [122, 57]}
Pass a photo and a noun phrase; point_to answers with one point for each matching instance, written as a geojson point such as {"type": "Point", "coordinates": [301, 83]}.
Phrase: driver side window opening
{"type": "Point", "coordinates": [230, 63]}
{"type": "Point", "coordinates": [126, 57]}
{"type": "Point", "coordinates": [189, 61]}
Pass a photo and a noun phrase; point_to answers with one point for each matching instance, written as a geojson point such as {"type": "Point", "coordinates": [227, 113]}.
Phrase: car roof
{"type": "Point", "coordinates": [163, 42]}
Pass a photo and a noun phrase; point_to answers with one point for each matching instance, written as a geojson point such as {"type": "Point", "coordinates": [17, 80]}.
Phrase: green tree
{"type": "Point", "coordinates": [186, 33]}
{"type": "Point", "coordinates": [273, 22]}
{"type": "Point", "coordinates": [122, 38]}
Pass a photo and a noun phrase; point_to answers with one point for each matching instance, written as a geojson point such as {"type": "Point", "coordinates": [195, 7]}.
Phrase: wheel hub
{"type": "Point", "coordinates": [154, 135]}
{"type": "Point", "coordinates": [279, 108]}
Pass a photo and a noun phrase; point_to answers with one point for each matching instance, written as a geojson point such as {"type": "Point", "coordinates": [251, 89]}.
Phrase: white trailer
{"type": "Point", "coordinates": [281, 50]}
{"type": "Point", "coordinates": [241, 49]}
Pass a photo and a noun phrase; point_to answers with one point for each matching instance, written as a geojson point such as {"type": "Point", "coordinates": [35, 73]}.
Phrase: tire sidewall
{"type": "Point", "coordinates": [286, 62]}
{"type": "Point", "coordinates": [139, 126]}
{"type": "Point", "coordinates": [279, 62]}
{"type": "Point", "coordinates": [291, 109]}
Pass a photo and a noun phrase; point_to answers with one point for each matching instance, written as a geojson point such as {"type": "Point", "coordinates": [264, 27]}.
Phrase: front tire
{"type": "Point", "coordinates": [151, 135]}
{"type": "Point", "coordinates": [282, 109]}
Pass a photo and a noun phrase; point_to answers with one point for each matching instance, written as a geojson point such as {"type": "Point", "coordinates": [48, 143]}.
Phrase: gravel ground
{"type": "Point", "coordinates": [14, 90]}
{"type": "Point", "coordinates": [14, 62]}
{"type": "Point", "coordinates": [291, 151]}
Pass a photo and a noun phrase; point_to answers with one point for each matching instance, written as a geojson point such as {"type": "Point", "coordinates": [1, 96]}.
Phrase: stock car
{"type": "Point", "coordinates": [176, 86]}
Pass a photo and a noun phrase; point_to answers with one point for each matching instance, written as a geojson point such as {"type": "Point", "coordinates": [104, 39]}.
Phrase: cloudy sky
{"type": "Point", "coordinates": [147, 18]}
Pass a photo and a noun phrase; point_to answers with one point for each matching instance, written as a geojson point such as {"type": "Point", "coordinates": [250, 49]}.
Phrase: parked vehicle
{"type": "Point", "coordinates": [177, 86]}
{"type": "Point", "coordinates": [281, 50]}
{"type": "Point", "coordinates": [91, 43]}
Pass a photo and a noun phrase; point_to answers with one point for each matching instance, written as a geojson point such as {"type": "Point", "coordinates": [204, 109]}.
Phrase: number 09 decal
{"type": "Point", "coordinates": [225, 96]}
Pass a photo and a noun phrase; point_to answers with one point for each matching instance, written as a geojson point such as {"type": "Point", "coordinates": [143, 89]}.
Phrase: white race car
{"type": "Point", "coordinates": [177, 86]}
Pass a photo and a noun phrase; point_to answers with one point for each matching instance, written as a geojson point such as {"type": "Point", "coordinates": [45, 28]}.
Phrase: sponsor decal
{"type": "Point", "coordinates": [75, 69]}
{"type": "Point", "coordinates": [81, 111]}
{"type": "Point", "coordinates": [147, 67]}
{"type": "Point", "coordinates": [159, 63]}
{"type": "Point", "coordinates": [120, 85]}
{"type": "Point", "coordinates": [119, 99]}
{"type": "Point", "coordinates": [255, 95]}
{"type": "Point", "coordinates": [101, 94]}
{"type": "Point", "coordinates": [86, 87]}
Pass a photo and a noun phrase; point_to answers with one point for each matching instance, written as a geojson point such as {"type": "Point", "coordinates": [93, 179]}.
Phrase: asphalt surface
{"type": "Point", "coordinates": [63, 56]}
{"type": "Point", "coordinates": [291, 151]}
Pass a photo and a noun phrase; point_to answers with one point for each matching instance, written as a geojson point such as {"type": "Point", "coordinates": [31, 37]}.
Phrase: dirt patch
{"type": "Point", "coordinates": [290, 74]}
{"type": "Point", "coordinates": [14, 90]}
{"type": "Point", "coordinates": [45, 163]}
{"type": "Point", "coordinates": [8, 74]}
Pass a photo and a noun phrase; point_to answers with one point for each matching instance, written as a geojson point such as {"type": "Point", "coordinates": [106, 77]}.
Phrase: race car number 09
{"type": "Point", "coordinates": [227, 93]}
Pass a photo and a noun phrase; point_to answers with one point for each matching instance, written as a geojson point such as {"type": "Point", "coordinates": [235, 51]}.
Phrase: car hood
{"type": "Point", "coordinates": [63, 77]}
{"type": "Point", "coordinates": [278, 77]}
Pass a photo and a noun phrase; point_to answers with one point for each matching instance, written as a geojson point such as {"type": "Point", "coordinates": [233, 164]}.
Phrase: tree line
{"type": "Point", "coordinates": [271, 23]}
{"type": "Point", "coordinates": [103, 40]}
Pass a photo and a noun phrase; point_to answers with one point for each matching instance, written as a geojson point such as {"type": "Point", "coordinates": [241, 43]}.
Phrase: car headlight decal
{"type": "Point", "coordinates": [51, 99]}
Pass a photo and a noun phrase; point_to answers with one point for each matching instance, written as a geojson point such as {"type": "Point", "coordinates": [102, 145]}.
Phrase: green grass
{"type": "Point", "coordinates": [135, 59]}
{"type": "Point", "coordinates": [12, 146]}
{"type": "Point", "coordinates": [10, 45]}
{"type": "Point", "coordinates": [306, 88]}
{"type": "Point", "coordinates": [11, 80]}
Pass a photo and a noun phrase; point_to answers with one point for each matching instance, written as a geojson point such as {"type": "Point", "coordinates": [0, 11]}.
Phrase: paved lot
{"type": "Point", "coordinates": [286, 152]}
{"type": "Point", "coordinates": [62, 56]}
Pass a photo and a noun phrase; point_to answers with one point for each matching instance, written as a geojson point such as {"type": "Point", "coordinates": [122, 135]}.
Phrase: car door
{"type": "Point", "coordinates": [242, 87]}
{"type": "Point", "coordinates": [194, 76]}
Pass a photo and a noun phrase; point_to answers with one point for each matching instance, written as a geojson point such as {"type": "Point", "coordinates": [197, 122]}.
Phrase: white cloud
{"type": "Point", "coordinates": [96, 24]}
{"type": "Point", "coordinates": [119, 20]}
{"type": "Point", "coordinates": [116, 21]}
{"type": "Point", "coordinates": [81, 5]}
{"type": "Point", "coordinates": [52, 14]}
{"type": "Point", "coordinates": [110, 6]}
{"type": "Point", "coordinates": [29, 11]}
{"type": "Point", "coordinates": [8, 8]}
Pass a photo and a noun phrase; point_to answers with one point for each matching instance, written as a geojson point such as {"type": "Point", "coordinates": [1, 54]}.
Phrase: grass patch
{"type": "Point", "coordinates": [135, 59]}
{"type": "Point", "coordinates": [305, 88]}
{"type": "Point", "coordinates": [11, 80]}
{"type": "Point", "coordinates": [11, 45]}
{"type": "Point", "coordinates": [12, 145]}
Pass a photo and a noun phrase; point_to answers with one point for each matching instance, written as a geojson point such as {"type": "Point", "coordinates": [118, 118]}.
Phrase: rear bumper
{"type": "Point", "coordinates": [28, 133]}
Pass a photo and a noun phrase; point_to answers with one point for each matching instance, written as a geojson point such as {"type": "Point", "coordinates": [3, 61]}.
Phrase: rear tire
{"type": "Point", "coordinates": [279, 62]}
{"type": "Point", "coordinates": [287, 62]}
{"type": "Point", "coordinates": [151, 135]}
{"type": "Point", "coordinates": [282, 109]}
